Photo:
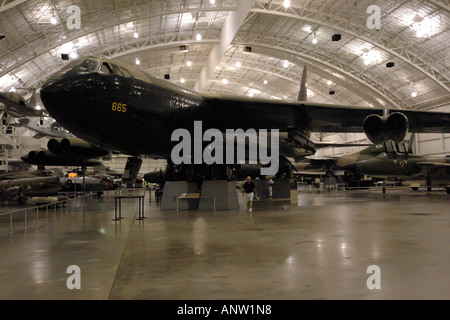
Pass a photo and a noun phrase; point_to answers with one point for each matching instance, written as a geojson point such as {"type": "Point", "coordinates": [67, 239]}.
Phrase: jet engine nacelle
{"type": "Point", "coordinates": [392, 127]}
{"type": "Point", "coordinates": [47, 158]}
{"type": "Point", "coordinates": [75, 147]}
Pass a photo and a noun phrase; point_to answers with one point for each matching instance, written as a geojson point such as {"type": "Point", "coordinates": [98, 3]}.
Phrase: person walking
{"type": "Point", "coordinates": [249, 193]}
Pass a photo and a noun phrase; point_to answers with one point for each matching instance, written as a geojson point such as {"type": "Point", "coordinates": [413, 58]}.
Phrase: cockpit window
{"type": "Point", "coordinates": [125, 72]}
{"type": "Point", "coordinates": [106, 69]}
{"type": "Point", "coordinates": [88, 65]}
{"type": "Point", "coordinates": [116, 70]}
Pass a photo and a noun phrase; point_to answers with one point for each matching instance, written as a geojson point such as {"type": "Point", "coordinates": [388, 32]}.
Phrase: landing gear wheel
{"type": "Point", "coordinates": [190, 173]}
{"type": "Point", "coordinates": [216, 172]}
{"type": "Point", "coordinates": [22, 200]}
{"type": "Point", "coordinates": [284, 173]}
{"type": "Point", "coordinates": [229, 172]}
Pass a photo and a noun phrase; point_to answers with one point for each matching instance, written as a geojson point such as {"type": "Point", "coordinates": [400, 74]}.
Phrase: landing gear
{"type": "Point", "coordinates": [220, 172]}
{"type": "Point", "coordinates": [429, 181]}
{"type": "Point", "coordinates": [4, 118]}
{"type": "Point", "coordinates": [285, 170]}
{"type": "Point", "coordinates": [22, 200]}
{"type": "Point", "coordinates": [195, 173]}
{"type": "Point", "coordinates": [181, 172]}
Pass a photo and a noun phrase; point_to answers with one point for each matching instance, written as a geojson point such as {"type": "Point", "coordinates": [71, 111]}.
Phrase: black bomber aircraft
{"type": "Point", "coordinates": [121, 108]}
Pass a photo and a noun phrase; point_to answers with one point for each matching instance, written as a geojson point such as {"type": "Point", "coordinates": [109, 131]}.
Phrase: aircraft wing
{"type": "Point", "coordinates": [321, 145]}
{"type": "Point", "coordinates": [434, 165]}
{"type": "Point", "coordinates": [278, 114]}
{"type": "Point", "coordinates": [22, 181]}
{"type": "Point", "coordinates": [16, 106]}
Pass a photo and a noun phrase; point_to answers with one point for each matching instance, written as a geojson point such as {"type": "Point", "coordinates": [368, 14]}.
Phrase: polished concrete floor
{"type": "Point", "coordinates": [320, 249]}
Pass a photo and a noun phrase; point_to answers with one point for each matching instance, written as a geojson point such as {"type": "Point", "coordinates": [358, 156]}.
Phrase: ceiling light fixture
{"type": "Point", "coordinates": [189, 64]}
{"type": "Point", "coordinates": [287, 3]}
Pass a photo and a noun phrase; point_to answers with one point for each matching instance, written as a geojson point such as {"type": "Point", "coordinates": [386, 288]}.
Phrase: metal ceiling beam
{"type": "Point", "coordinates": [108, 25]}
{"type": "Point", "coordinates": [6, 6]}
{"type": "Point", "coordinates": [443, 4]}
{"type": "Point", "coordinates": [314, 63]}
{"type": "Point", "coordinates": [229, 30]}
{"type": "Point", "coordinates": [356, 35]}
{"type": "Point", "coordinates": [260, 88]}
{"type": "Point", "coordinates": [120, 52]}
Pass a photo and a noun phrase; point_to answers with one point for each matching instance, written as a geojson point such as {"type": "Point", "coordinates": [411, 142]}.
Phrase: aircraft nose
{"type": "Point", "coordinates": [51, 92]}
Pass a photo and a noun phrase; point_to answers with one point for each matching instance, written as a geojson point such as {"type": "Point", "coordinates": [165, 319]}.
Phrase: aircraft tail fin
{"type": "Point", "coordinates": [34, 100]}
{"type": "Point", "coordinates": [303, 95]}
{"type": "Point", "coordinates": [411, 143]}
{"type": "Point", "coordinates": [132, 169]}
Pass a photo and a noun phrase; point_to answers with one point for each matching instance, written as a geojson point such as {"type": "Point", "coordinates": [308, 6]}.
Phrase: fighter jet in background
{"type": "Point", "coordinates": [121, 108]}
{"type": "Point", "coordinates": [41, 131]}
{"type": "Point", "coordinates": [396, 163]}
{"type": "Point", "coordinates": [387, 161]}
{"type": "Point", "coordinates": [92, 184]}
{"type": "Point", "coordinates": [17, 107]}
{"type": "Point", "coordinates": [22, 185]}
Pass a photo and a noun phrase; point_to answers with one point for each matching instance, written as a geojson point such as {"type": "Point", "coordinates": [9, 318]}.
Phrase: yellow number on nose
{"type": "Point", "coordinates": [119, 107]}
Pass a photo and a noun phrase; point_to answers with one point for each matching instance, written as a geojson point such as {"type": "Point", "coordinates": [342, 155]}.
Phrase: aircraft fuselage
{"type": "Point", "coordinates": [138, 114]}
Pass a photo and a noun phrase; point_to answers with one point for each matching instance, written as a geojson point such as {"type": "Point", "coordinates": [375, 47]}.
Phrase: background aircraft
{"type": "Point", "coordinates": [398, 164]}
{"type": "Point", "coordinates": [101, 95]}
{"type": "Point", "coordinates": [41, 131]}
{"type": "Point", "coordinates": [387, 161]}
{"type": "Point", "coordinates": [22, 185]}
{"type": "Point", "coordinates": [17, 107]}
{"type": "Point", "coordinates": [66, 152]}
{"type": "Point", "coordinates": [92, 184]}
